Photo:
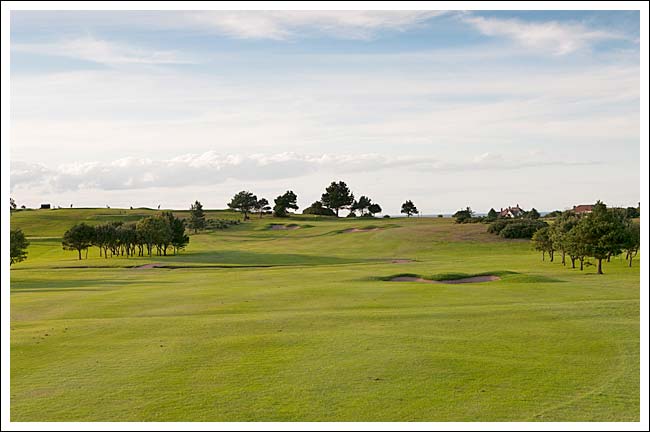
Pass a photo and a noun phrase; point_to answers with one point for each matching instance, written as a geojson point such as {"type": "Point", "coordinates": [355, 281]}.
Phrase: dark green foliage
{"type": "Point", "coordinates": [12, 204]}
{"type": "Point", "coordinates": [464, 216]}
{"type": "Point", "coordinates": [243, 202]}
{"type": "Point", "coordinates": [516, 228]}
{"type": "Point", "coordinates": [197, 217]}
{"type": "Point", "coordinates": [220, 224]}
{"type": "Point", "coordinates": [542, 242]}
{"type": "Point", "coordinates": [386, 216]}
{"type": "Point", "coordinates": [532, 214]}
{"type": "Point", "coordinates": [492, 215]}
{"type": "Point", "coordinates": [374, 209]}
{"type": "Point", "coordinates": [317, 208]}
{"type": "Point", "coordinates": [285, 202]}
{"type": "Point", "coordinates": [337, 196]}
{"type": "Point", "coordinates": [553, 214]}
{"type": "Point", "coordinates": [603, 233]}
{"type": "Point", "coordinates": [632, 212]}
{"type": "Point", "coordinates": [631, 240]}
{"type": "Point", "coordinates": [18, 246]}
{"type": "Point", "coordinates": [262, 206]}
{"type": "Point", "coordinates": [409, 209]}
{"type": "Point", "coordinates": [178, 239]}
{"type": "Point", "coordinates": [79, 237]}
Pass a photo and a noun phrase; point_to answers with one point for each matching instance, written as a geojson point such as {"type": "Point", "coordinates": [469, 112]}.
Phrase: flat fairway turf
{"type": "Point", "coordinates": [257, 323]}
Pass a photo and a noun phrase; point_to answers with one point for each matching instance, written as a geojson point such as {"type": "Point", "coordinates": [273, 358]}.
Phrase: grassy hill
{"type": "Point", "coordinates": [256, 323]}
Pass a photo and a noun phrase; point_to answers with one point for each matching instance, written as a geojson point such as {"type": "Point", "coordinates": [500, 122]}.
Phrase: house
{"type": "Point", "coordinates": [583, 208]}
{"type": "Point", "coordinates": [45, 206]}
{"type": "Point", "coordinates": [511, 212]}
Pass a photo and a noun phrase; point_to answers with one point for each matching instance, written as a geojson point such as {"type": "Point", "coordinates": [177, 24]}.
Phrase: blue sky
{"type": "Point", "coordinates": [448, 109]}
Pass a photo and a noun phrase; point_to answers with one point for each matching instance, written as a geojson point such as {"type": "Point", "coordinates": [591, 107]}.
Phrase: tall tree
{"type": "Point", "coordinates": [317, 208]}
{"type": "Point", "coordinates": [361, 204]}
{"type": "Point", "coordinates": [464, 216]}
{"type": "Point", "coordinates": [603, 233]}
{"type": "Point", "coordinates": [285, 202]}
{"type": "Point", "coordinates": [492, 215]}
{"type": "Point", "coordinates": [12, 204]}
{"type": "Point", "coordinates": [262, 206]}
{"type": "Point", "coordinates": [558, 231]}
{"type": "Point", "coordinates": [197, 217]}
{"type": "Point", "coordinates": [631, 241]}
{"type": "Point", "coordinates": [243, 202]}
{"type": "Point", "coordinates": [408, 208]}
{"type": "Point", "coordinates": [337, 196]}
{"type": "Point", "coordinates": [18, 246]}
{"type": "Point", "coordinates": [177, 239]}
{"type": "Point", "coordinates": [79, 237]}
{"type": "Point", "coordinates": [542, 242]}
{"type": "Point", "coordinates": [532, 214]}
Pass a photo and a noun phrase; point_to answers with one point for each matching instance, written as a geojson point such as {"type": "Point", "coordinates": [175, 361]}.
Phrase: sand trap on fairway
{"type": "Point", "coordinates": [148, 266]}
{"type": "Point", "coordinates": [352, 230]}
{"type": "Point", "coordinates": [473, 279]}
{"type": "Point", "coordinates": [284, 227]}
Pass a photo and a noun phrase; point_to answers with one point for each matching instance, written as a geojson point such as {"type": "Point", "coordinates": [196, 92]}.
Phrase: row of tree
{"type": "Point", "coordinates": [159, 234]}
{"type": "Point", "coordinates": [601, 234]}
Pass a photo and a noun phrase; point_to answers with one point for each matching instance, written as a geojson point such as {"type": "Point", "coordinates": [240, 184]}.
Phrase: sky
{"type": "Point", "coordinates": [446, 108]}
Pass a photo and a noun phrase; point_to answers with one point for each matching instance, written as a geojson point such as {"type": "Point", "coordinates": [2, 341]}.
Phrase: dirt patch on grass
{"type": "Point", "coordinates": [401, 261]}
{"type": "Point", "coordinates": [276, 227]}
{"type": "Point", "coordinates": [353, 230]}
{"type": "Point", "coordinates": [473, 279]}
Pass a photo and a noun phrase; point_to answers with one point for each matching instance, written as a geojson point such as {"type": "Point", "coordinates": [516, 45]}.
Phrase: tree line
{"type": "Point", "coordinates": [152, 234]}
{"type": "Point", "coordinates": [601, 234]}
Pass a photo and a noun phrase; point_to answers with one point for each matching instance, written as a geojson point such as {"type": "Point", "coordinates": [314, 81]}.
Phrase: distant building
{"type": "Point", "coordinates": [45, 206]}
{"type": "Point", "coordinates": [583, 208]}
{"type": "Point", "coordinates": [511, 212]}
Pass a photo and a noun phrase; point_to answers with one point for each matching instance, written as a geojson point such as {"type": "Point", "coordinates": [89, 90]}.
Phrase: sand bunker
{"type": "Point", "coordinates": [473, 279]}
{"type": "Point", "coordinates": [352, 230]}
{"type": "Point", "coordinates": [284, 227]}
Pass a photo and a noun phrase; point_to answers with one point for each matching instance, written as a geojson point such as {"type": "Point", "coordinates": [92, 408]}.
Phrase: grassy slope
{"type": "Point", "coordinates": [317, 336]}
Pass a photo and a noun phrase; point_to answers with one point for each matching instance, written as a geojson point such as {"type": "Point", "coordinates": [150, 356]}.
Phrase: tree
{"type": "Point", "coordinates": [197, 217]}
{"type": "Point", "coordinates": [262, 206]}
{"type": "Point", "coordinates": [542, 242]}
{"type": "Point", "coordinates": [603, 233]}
{"type": "Point", "coordinates": [631, 241]}
{"type": "Point", "coordinates": [374, 208]}
{"type": "Point", "coordinates": [492, 215]}
{"type": "Point", "coordinates": [563, 224]}
{"type": "Point", "coordinates": [243, 202]}
{"type": "Point", "coordinates": [532, 214]}
{"type": "Point", "coordinates": [178, 239]}
{"type": "Point", "coordinates": [575, 246]}
{"type": "Point", "coordinates": [18, 246]}
{"type": "Point", "coordinates": [80, 237]}
{"type": "Point", "coordinates": [285, 202]}
{"type": "Point", "coordinates": [464, 216]}
{"type": "Point", "coordinates": [12, 204]}
{"type": "Point", "coordinates": [317, 208]}
{"type": "Point", "coordinates": [408, 208]}
{"type": "Point", "coordinates": [337, 196]}
{"type": "Point", "coordinates": [361, 204]}
{"type": "Point", "coordinates": [154, 231]}
{"type": "Point", "coordinates": [632, 212]}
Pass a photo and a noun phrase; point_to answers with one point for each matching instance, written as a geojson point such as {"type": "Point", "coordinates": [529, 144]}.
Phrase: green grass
{"type": "Point", "coordinates": [310, 332]}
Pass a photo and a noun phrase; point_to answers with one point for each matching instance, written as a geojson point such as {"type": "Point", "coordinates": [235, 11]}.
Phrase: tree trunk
{"type": "Point", "coordinates": [563, 258]}
{"type": "Point", "coordinates": [79, 250]}
{"type": "Point", "coordinates": [609, 255]}
{"type": "Point", "coordinates": [86, 253]}
{"type": "Point", "coordinates": [543, 255]}
{"type": "Point", "coordinates": [582, 260]}
{"type": "Point", "coordinates": [337, 212]}
{"type": "Point", "coordinates": [550, 253]}
{"type": "Point", "coordinates": [573, 262]}
{"type": "Point", "coordinates": [600, 266]}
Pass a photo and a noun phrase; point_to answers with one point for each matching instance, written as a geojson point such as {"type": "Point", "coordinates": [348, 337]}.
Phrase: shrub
{"type": "Point", "coordinates": [522, 229]}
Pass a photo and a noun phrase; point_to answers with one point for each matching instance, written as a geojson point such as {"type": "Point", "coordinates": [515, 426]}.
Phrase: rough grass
{"type": "Point", "coordinates": [308, 332]}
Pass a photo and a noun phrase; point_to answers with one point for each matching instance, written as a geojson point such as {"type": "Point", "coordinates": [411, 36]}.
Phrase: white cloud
{"type": "Point", "coordinates": [102, 51]}
{"type": "Point", "coordinates": [281, 25]}
{"type": "Point", "coordinates": [551, 36]}
{"type": "Point", "coordinates": [212, 168]}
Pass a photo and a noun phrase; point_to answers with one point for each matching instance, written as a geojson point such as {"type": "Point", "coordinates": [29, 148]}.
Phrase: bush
{"type": "Point", "coordinates": [522, 229]}
{"type": "Point", "coordinates": [386, 216]}
{"type": "Point", "coordinates": [496, 226]}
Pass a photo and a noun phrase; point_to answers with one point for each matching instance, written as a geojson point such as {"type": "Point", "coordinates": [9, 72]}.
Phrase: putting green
{"type": "Point", "coordinates": [252, 324]}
